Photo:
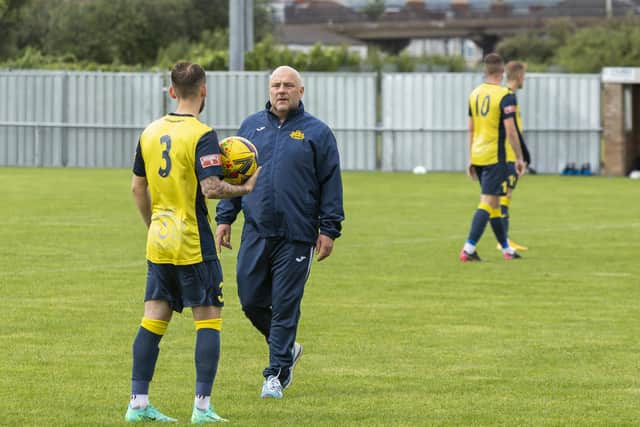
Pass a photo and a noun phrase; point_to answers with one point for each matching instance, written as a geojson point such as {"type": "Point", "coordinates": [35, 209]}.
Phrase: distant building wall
{"type": "Point", "coordinates": [361, 50]}
{"type": "Point", "coordinates": [447, 47]}
{"type": "Point", "coordinates": [621, 119]}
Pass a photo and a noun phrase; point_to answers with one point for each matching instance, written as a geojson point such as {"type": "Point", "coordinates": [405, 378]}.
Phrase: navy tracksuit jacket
{"type": "Point", "coordinates": [297, 195]}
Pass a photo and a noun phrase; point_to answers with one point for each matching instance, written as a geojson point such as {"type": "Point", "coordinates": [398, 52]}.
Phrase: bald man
{"type": "Point", "coordinates": [294, 210]}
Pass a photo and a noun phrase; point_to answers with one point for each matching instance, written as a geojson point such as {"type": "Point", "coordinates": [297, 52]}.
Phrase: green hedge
{"type": "Point", "coordinates": [266, 55]}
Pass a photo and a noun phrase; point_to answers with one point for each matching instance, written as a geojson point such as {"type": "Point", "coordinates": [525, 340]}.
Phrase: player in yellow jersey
{"type": "Point", "coordinates": [491, 124]}
{"type": "Point", "coordinates": [177, 166]}
{"type": "Point", "coordinates": [515, 72]}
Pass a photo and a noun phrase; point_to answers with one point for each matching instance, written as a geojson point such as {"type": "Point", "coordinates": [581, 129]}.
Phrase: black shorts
{"type": "Point", "coordinates": [493, 178]}
{"type": "Point", "coordinates": [185, 285]}
{"type": "Point", "coordinates": [512, 175]}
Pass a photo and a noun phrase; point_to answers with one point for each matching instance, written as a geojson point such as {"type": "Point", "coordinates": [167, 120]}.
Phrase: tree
{"type": "Point", "coordinates": [536, 47]}
{"type": "Point", "coordinates": [591, 49]}
{"type": "Point", "coordinates": [113, 31]}
{"type": "Point", "coordinates": [374, 9]}
{"type": "Point", "coordinates": [9, 22]}
{"type": "Point", "coordinates": [35, 23]}
{"type": "Point", "coordinates": [211, 15]}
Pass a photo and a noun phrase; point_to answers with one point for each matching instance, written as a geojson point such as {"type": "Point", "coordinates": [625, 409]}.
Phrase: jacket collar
{"type": "Point", "coordinates": [292, 113]}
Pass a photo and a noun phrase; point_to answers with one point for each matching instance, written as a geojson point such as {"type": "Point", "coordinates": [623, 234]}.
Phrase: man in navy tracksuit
{"type": "Point", "coordinates": [296, 206]}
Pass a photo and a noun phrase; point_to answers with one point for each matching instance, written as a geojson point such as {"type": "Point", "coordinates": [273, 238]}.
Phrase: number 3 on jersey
{"type": "Point", "coordinates": [164, 172]}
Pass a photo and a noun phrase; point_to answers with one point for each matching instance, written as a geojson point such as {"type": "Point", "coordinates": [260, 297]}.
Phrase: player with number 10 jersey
{"type": "Point", "coordinates": [489, 105]}
{"type": "Point", "coordinates": [491, 123]}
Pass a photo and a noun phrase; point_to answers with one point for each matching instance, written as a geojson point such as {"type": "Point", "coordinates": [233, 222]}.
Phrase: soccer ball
{"type": "Point", "coordinates": [239, 159]}
{"type": "Point", "coordinates": [419, 170]}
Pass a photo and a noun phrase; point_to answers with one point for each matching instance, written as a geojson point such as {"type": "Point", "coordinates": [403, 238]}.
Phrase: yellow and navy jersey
{"type": "Point", "coordinates": [489, 106]}
{"type": "Point", "coordinates": [175, 153]}
{"type": "Point", "coordinates": [511, 155]}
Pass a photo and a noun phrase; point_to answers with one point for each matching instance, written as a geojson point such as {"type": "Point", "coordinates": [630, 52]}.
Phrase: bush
{"type": "Point", "coordinates": [591, 49]}
{"type": "Point", "coordinates": [34, 59]}
{"type": "Point", "coordinates": [211, 52]}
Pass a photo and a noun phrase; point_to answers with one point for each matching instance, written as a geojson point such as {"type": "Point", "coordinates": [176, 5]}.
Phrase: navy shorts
{"type": "Point", "coordinates": [512, 175]}
{"type": "Point", "coordinates": [493, 178]}
{"type": "Point", "coordinates": [185, 285]}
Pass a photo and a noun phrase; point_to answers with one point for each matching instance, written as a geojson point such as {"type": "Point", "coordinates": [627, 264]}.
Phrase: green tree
{"type": "Point", "coordinates": [10, 13]}
{"type": "Point", "coordinates": [211, 15]}
{"type": "Point", "coordinates": [529, 47]}
{"type": "Point", "coordinates": [535, 47]}
{"type": "Point", "coordinates": [612, 44]}
{"type": "Point", "coordinates": [35, 21]}
{"type": "Point", "coordinates": [147, 26]}
{"type": "Point", "coordinates": [114, 31]}
{"type": "Point", "coordinates": [374, 9]}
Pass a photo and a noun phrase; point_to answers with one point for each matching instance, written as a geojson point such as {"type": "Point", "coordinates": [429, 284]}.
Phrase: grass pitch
{"type": "Point", "coordinates": [396, 330]}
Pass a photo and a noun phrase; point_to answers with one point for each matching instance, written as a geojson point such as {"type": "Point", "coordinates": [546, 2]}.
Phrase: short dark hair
{"type": "Point", "coordinates": [186, 79]}
{"type": "Point", "coordinates": [493, 64]}
{"type": "Point", "coordinates": [514, 68]}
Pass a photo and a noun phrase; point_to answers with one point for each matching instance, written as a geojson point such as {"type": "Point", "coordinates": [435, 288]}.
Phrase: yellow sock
{"type": "Point", "coordinates": [209, 324]}
{"type": "Point", "coordinates": [158, 327]}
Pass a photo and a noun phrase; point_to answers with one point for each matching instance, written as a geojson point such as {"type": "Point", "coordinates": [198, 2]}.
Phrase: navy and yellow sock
{"type": "Point", "coordinates": [207, 354]}
{"type": "Point", "coordinates": [498, 227]}
{"type": "Point", "coordinates": [145, 353]}
{"type": "Point", "coordinates": [479, 222]}
{"type": "Point", "coordinates": [505, 203]}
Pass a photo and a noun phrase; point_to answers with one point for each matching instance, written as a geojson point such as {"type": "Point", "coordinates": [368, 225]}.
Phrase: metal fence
{"type": "Point", "coordinates": [75, 119]}
{"type": "Point", "coordinates": [94, 119]}
{"type": "Point", "coordinates": [83, 119]}
{"type": "Point", "coordinates": [425, 119]}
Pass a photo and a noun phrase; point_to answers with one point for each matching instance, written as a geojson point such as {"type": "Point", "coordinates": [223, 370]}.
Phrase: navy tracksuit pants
{"type": "Point", "coordinates": [271, 274]}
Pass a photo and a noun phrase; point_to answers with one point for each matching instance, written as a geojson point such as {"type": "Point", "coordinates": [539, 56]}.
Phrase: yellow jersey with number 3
{"type": "Point", "coordinates": [489, 106]}
{"type": "Point", "coordinates": [174, 154]}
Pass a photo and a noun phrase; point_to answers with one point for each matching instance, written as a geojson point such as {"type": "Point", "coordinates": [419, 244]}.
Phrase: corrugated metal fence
{"type": "Point", "coordinates": [83, 119]}
{"type": "Point", "coordinates": [75, 119]}
{"type": "Point", "coordinates": [425, 119]}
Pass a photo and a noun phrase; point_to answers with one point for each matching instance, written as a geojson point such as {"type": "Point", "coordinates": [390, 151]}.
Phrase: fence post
{"type": "Point", "coordinates": [64, 144]}
{"type": "Point", "coordinates": [38, 147]}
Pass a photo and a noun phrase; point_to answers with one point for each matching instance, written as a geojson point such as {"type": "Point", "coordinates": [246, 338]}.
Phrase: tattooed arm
{"type": "Point", "coordinates": [215, 188]}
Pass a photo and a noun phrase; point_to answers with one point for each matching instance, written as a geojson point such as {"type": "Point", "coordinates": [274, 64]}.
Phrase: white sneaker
{"type": "Point", "coordinates": [271, 388]}
{"type": "Point", "coordinates": [296, 354]}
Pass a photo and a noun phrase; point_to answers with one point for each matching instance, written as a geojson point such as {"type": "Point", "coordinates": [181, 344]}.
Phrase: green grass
{"type": "Point", "coordinates": [396, 330]}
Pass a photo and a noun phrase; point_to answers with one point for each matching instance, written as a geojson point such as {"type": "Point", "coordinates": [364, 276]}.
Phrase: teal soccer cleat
{"type": "Point", "coordinates": [271, 388]}
{"type": "Point", "coordinates": [204, 417]}
{"type": "Point", "coordinates": [150, 413]}
{"type": "Point", "coordinates": [296, 353]}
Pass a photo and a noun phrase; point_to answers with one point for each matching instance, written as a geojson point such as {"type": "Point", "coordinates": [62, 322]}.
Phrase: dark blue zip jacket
{"type": "Point", "coordinates": [299, 190]}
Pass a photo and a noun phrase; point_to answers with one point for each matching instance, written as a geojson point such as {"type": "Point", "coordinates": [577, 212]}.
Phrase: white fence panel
{"type": "Point", "coordinates": [347, 103]}
{"type": "Point", "coordinates": [84, 119]}
{"type": "Point", "coordinates": [425, 119]}
{"type": "Point", "coordinates": [29, 99]}
{"type": "Point", "coordinates": [104, 114]}
{"type": "Point", "coordinates": [94, 119]}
